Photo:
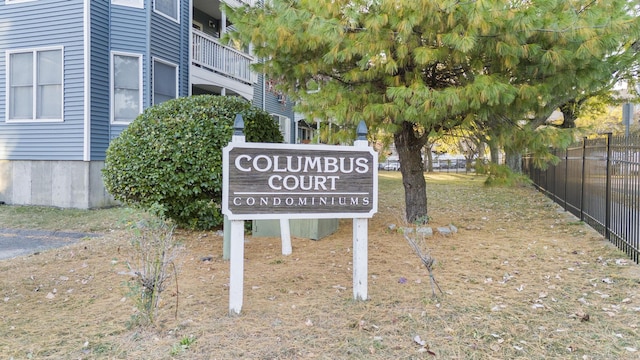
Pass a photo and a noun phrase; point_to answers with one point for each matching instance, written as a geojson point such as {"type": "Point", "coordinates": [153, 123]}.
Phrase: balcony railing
{"type": "Point", "coordinates": [209, 54]}
{"type": "Point", "coordinates": [244, 2]}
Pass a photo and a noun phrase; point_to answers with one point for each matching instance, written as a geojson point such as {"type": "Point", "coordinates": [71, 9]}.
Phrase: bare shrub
{"type": "Point", "coordinates": [153, 265]}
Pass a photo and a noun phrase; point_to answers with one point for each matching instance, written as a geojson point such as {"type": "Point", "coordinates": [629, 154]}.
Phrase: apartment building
{"type": "Point", "coordinates": [74, 74]}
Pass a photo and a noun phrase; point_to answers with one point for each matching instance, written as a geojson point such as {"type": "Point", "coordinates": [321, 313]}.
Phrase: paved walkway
{"type": "Point", "coordinates": [19, 242]}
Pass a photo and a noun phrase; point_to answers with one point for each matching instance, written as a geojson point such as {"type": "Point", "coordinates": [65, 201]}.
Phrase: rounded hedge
{"type": "Point", "coordinates": [171, 156]}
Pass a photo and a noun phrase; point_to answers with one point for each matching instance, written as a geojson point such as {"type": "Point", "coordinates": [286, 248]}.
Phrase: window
{"type": "Point", "coordinates": [165, 81]}
{"type": "Point", "coordinates": [132, 3]}
{"type": "Point", "coordinates": [168, 8]}
{"type": "Point", "coordinates": [35, 85]}
{"type": "Point", "coordinates": [285, 126]}
{"type": "Point", "coordinates": [126, 87]}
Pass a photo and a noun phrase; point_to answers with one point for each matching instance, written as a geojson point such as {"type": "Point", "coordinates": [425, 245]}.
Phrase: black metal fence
{"type": "Point", "coordinates": [598, 181]}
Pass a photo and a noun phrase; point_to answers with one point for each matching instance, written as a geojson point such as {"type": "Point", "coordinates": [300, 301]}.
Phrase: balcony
{"type": "Point", "coordinates": [243, 2]}
{"type": "Point", "coordinates": [219, 68]}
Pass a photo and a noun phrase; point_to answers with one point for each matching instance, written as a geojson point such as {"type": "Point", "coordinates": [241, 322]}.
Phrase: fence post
{"type": "Point", "coordinates": [607, 221]}
{"type": "Point", "coordinates": [566, 176]}
{"type": "Point", "coordinates": [360, 235]}
{"type": "Point", "coordinates": [584, 161]}
{"type": "Point", "coordinates": [236, 238]}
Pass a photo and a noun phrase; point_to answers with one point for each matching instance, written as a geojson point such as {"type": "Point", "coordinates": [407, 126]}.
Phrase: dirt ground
{"type": "Point", "coordinates": [521, 279]}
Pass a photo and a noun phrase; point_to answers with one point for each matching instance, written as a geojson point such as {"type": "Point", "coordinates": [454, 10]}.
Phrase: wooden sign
{"type": "Point", "coordinates": [275, 181]}
{"type": "Point", "coordinates": [284, 181]}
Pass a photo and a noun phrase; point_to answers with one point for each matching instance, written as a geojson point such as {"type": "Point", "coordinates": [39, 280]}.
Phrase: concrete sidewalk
{"type": "Point", "coordinates": [19, 242]}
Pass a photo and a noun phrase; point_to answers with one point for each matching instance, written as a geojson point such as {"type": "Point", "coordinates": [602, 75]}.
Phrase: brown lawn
{"type": "Point", "coordinates": [521, 280]}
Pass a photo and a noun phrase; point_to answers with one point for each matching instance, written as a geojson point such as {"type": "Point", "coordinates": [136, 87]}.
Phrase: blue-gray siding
{"type": "Point", "coordinates": [64, 27]}
{"type": "Point", "coordinates": [99, 79]}
{"type": "Point", "coordinates": [114, 28]}
{"type": "Point", "coordinates": [170, 42]}
{"type": "Point", "coordinates": [129, 33]}
{"type": "Point", "coordinates": [268, 101]}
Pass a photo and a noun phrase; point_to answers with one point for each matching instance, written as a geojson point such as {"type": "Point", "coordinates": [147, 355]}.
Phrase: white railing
{"type": "Point", "coordinates": [240, 2]}
{"type": "Point", "coordinates": [208, 53]}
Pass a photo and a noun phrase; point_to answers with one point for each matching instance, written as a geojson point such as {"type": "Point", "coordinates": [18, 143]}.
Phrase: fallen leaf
{"type": "Point", "coordinates": [583, 317]}
{"type": "Point", "coordinates": [583, 301]}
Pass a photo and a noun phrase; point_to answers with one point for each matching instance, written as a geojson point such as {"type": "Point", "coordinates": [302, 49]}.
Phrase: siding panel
{"type": "Point", "coordinates": [170, 42]}
{"type": "Point", "coordinates": [99, 79]}
{"type": "Point", "coordinates": [64, 27]}
{"type": "Point", "coordinates": [129, 33]}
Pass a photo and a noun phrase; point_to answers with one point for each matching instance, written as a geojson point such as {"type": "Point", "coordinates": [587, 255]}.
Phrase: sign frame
{"type": "Point", "coordinates": [293, 150]}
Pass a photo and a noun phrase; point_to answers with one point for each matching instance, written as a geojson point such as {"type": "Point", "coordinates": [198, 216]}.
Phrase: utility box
{"type": "Point", "coordinates": [314, 229]}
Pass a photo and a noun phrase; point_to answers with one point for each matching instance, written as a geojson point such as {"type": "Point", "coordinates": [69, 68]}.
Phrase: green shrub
{"type": "Point", "coordinates": [501, 175]}
{"type": "Point", "coordinates": [171, 156]}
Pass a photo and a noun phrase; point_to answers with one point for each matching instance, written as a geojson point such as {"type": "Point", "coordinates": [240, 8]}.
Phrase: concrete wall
{"type": "Point", "coordinates": [65, 184]}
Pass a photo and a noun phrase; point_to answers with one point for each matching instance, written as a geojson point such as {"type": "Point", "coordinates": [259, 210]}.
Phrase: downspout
{"type": "Point", "coordinates": [86, 156]}
{"type": "Point", "coordinates": [146, 64]}
{"type": "Point", "coordinates": [189, 52]}
{"type": "Point", "coordinates": [110, 78]}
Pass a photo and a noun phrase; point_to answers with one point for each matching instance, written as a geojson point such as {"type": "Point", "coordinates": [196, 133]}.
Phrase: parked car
{"type": "Point", "coordinates": [391, 166]}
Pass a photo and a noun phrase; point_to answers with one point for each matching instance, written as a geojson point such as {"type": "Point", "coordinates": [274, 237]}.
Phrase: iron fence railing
{"type": "Point", "coordinates": [598, 180]}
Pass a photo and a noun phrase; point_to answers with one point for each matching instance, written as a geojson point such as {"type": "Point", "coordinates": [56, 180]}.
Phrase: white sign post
{"type": "Point", "coordinates": [292, 181]}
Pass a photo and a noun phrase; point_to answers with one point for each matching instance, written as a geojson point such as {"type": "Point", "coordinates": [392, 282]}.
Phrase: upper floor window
{"type": "Point", "coordinates": [35, 90]}
{"type": "Point", "coordinates": [132, 3]}
{"type": "Point", "coordinates": [168, 8]}
{"type": "Point", "coordinates": [165, 81]}
{"type": "Point", "coordinates": [126, 87]}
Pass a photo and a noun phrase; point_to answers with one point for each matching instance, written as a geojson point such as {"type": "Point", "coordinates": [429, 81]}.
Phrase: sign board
{"type": "Point", "coordinates": [298, 181]}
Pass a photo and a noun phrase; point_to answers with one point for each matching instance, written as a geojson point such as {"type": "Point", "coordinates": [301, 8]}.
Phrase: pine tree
{"type": "Point", "coordinates": [411, 67]}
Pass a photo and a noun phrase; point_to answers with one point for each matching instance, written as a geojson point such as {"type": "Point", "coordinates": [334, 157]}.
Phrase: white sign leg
{"type": "Point", "coordinates": [236, 274]}
{"type": "Point", "coordinates": [285, 234]}
{"type": "Point", "coordinates": [360, 256]}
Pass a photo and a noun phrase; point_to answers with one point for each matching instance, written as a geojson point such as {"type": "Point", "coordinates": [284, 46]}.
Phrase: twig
{"type": "Point", "coordinates": [175, 275]}
{"type": "Point", "coordinates": [428, 262]}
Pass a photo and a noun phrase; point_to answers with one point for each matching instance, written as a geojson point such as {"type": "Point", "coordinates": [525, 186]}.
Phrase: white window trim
{"type": "Point", "coordinates": [177, 18]}
{"type": "Point", "coordinates": [139, 4]}
{"type": "Point", "coordinates": [35, 99]}
{"type": "Point", "coordinates": [153, 85]}
{"type": "Point", "coordinates": [112, 83]}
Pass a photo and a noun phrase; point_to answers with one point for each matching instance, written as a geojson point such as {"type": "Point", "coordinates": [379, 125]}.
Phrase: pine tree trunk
{"type": "Point", "coordinates": [428, 159]}
{"type": "Point", "coordinates": [495, 152]}
{"type": "Point", "coordinates": [408, 146]}
{"type": "Point", "coordinates": [514, 161]}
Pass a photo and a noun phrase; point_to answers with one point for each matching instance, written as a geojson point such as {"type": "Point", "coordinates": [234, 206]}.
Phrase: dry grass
{"type": "Point", "coordinates": [521, 280]}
